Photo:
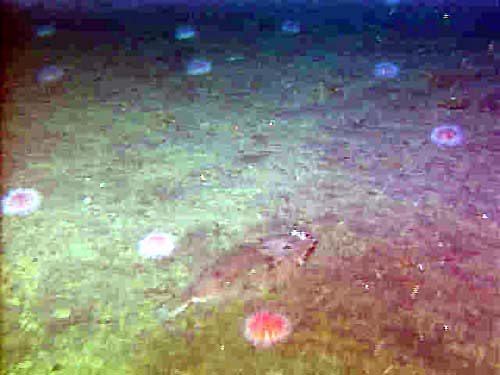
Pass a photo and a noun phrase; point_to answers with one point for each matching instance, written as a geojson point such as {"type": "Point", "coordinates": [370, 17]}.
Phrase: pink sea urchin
{"type": "Point", "coordinates": [156, 245]}
{"type": "Point", "coordinates": [264, 329]}
{"type": "Point", "coordinates": [21, 202]}
{"type": "Point", "coordinates": [197, 67]}
{"type": "Point", "coordinates": [447, 135]}
{"type": "Point", "coordinates": [49, 74]}
{"type": "Point", "coordinates": [386, 70]}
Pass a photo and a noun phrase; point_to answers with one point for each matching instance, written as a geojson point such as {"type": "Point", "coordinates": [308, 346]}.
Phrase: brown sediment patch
{"type": "Point", "coordinates": [447, 78]}
{"type": "Point", "coordinates": [77, 316]}
{"type": "Point", "coordinates": [254, 157]}
{"type": "Point", "coordinates": [490, 102]}
{"type": "Point", "coordinates": [429, 296]}
{"type": "Point", "coordinates": [24, 139]}
{"type": "Point", "coordinates": [310, 110]}
{"type": "Point", "coordinates": [398, 299]}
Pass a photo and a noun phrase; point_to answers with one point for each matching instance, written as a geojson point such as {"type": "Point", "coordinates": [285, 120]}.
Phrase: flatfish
{"type": "Point", "coordinates": [254, 264]}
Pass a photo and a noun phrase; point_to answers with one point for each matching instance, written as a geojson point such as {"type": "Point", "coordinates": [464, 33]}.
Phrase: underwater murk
{"type": "Point", "coordinates": [276, 189]}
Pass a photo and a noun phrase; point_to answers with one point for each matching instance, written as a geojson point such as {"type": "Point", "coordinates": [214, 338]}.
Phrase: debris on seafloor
{"type": "Point", "coordinates": [454, 103]}
{"type": "Point", "coordinates": [448, 78]}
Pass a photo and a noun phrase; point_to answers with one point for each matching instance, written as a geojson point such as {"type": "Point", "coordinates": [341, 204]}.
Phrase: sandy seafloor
{"type": "Point", "coordinates": [295, 130]}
